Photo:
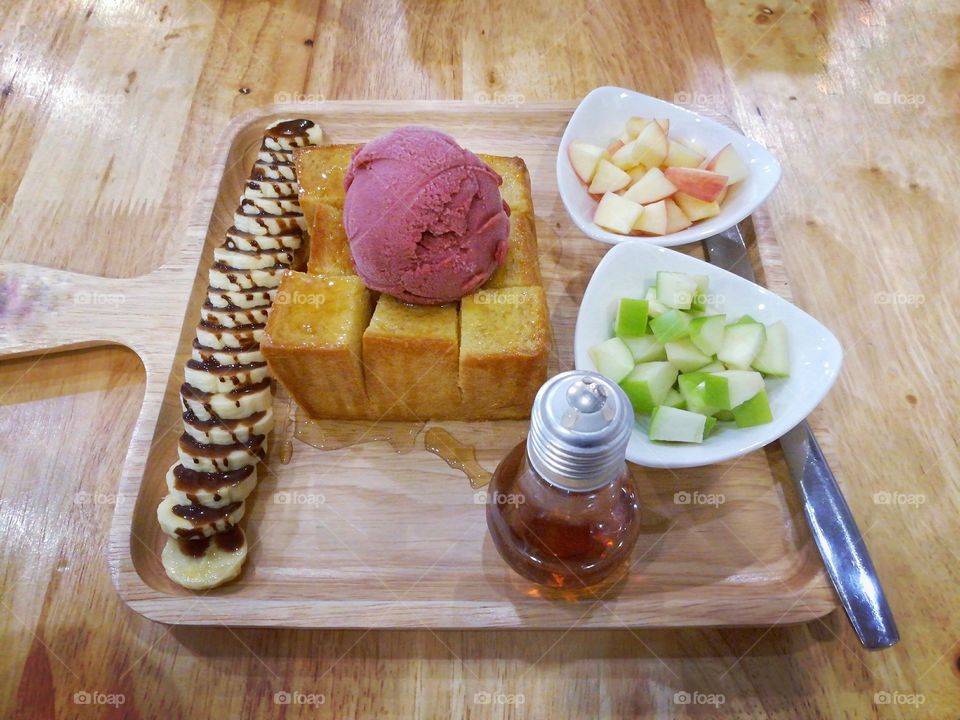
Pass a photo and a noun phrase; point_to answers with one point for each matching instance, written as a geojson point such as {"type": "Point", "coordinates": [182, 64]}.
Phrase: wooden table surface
{"type": "Point", "coordinates": [109, 111]}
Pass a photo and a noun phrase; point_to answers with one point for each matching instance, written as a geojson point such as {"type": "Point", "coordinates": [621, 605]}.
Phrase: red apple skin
{"type": "Point", "coordinates": [701, 184]}
{"type": "Point", "coordinates": [614, 146]}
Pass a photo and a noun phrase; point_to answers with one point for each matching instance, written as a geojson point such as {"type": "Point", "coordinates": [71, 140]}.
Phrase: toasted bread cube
{"type": "Point", "coordinates": [411, 355]}
{"type": "Point", "coordinates": [521, 268]}
{"type": "Point", "coordinates": [313, 343]}
{"type": "Point", "coordinates": [320, 173]}
{"type": "Point", "coordinates": [329, 247]}
{"type": "Point", "coordinates": [504, 347]}
{"type": "Point", "coordinates": [515, 189]}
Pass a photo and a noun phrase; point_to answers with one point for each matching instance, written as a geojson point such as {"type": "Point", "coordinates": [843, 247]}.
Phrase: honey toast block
{"type": "Point", "coordinates": [515, 189]}
{"type": "Point", "coordinates": [313, 343]}
{"type": "Point", "coordinates": [504, 348]}
{"type": "Point", "coordinates": [411, 361]}
{"type": "Point", "coordinates": [521, 268]}
{"type": "Point", "coordinates": [320, 172]}
{"type": "Point", "coordinates": [329, 247]}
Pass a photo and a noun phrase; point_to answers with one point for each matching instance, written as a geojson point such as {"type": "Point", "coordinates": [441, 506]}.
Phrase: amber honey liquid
{"type": "Point", "coordinates": [558, 538]}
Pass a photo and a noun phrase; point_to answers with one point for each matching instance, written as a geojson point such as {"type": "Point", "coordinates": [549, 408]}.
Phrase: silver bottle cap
{"type": "Point", "coordinates": [579, 428]}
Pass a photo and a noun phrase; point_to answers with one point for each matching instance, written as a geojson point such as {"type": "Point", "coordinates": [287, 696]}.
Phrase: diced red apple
{"type": "Point", "coordinates": [727, 162]}
{"type": "Point", "coordinates": [635, 125]}
{"type": "Point", "coordinates": [679, 155]}
{"type": "Point", "coordinates": [701, 184]}
{"type": "Point", "coordinates": [664, 125]}
{"type": "Point", "coordinates": [617, 214]}
{"type": "Point", "coordinates": [653, 145]}
{"type": "Point", "coordinates": [653, 219]}
{"type": "Point", "coordinates": [676, 220]}
{"type": "Point", "coordinates": [637, 172]}
{"type": "Point", "coordinates": [607, 178]}
{"type": "Point", "coordinates": [584, 158]}
{"type": "Point", "coordinates": [695, 208]}
{"type": "Point", "coordinates": [653, 186]}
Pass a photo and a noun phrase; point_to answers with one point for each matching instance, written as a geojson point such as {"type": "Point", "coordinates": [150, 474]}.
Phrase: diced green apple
{"type": "Point", "coordinates": [685, 355]}
{"type": "Point", "coordinates": [646, 349]}
{"type": "Point", "coordinates": [774, 357]}
{"type": "Point", "coordinates": [726, 390]}
{"type": "Point", "coordinates": [612, 358]}
{"type": "Point", "coordinates": [700, 296]}
{"type": "Point", "coordinates": [654, 306]}
{"type": "Point", "coordinates": [669, 424]}
{"type": "Point", "coordinates": [675, 399]}
{"type": "Point", "coordinates": [693, 388]}
{"type": "Point", "coordinates": [755, 411]}
{"type": "Point", "coordinates": [676, 289]}
{"type": "Point", "coordinates": [631, 319]}
{"type": "Point", "coordinates": [707, 333]}
{"type": "Point", "coordinates": [584, 158]}
{"type": "Point", "coordinates": [714, 367]}
{"type": "Point", "coordinates": [742, 343]}
{"type": "Point", "coordinates": [616, 214]}
{"type": "Point", "coordinates": [647, 385]}
{"type": "Point", "coordinates": [672, 325]}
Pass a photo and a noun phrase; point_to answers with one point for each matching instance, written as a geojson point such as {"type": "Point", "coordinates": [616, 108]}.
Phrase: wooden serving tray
{"type": "Point", "coordinates": [365, 536]}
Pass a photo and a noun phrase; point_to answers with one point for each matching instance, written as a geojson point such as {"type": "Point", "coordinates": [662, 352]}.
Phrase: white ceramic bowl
{"type": "Point", "coordinates": [601, 116]}
{"type": "Point", "coordinates": [815, 354]}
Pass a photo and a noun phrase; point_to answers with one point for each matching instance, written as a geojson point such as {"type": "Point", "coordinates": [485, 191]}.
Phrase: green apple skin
{"type": "Point", "coordinates": [700, 295]}
{"type": "Point", "coordinates": [631, 319]}
{"type": "Point", "coordinates": [692, 388]}
{"type": "Point", "coordinates": [709, 426]}
{"type": "Point", "coordinates": [755, 411]}
{"type": "Point", "coordinates": [727, 389]}
{"type": "Point", "coordinates": [672, 325]}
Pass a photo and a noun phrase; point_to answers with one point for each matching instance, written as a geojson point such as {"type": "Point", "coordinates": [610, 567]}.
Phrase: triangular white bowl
{"type": "Point", "coordinates": [815, 354]}
{"type": "Point", "coordinates": [601, 116]}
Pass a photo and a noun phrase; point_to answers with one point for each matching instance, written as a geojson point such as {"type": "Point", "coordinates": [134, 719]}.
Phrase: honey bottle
{"type": "Point", "coordinates": [561, 507]}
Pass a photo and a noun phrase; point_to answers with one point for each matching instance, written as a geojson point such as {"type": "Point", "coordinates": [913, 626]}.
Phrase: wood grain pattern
{"type": "Point", "coordinates": [863, 214]}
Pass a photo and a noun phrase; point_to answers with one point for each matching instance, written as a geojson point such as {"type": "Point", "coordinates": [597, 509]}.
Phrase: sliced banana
{"type": "Point", "coordinates": [214, 490]}
{"type": "Point", "coordinates": [253, 259]}
{"type": "Point", "coordinates": [209, 355]}
{"type": "Point", "coordinates": [233, 318]}
{"type": "Point", "coordinates": [305, 132]}
{"type": "Point", "coordinates": [225, 432]}
{"type": "Point", "coordinates": [265, 155]}
{"type": "Point", "coordinates": [219, 337]}
{"type": "Point", "coordinates": [194, 521]}
{"type": "Point", "coordinates": [244, 299]}
{"type": "Point", "coordinates": [269, 206]}
{"type": "Point", "coordinates": [248, 242]}
{"type": "Point", "coordinates": [222, 277]}
{"type": "Point", "coordinates": [270, 224]}
{"type": "Point", "coordinates": [266, 170]}
{"type": "Point", "coordinates": [205, 564]}
{"type": "Point", "coordinates": [223, 378]}
{"type": "Point", "coordinates": [220, 458]}
{"type": "Point", "coordinates": [270, 189]}
{"type": "Point", "coordinates": [233, 405]}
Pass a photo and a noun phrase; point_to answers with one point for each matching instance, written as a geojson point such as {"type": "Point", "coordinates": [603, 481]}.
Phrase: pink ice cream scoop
{"type": "Point", "coordinates": [424, 217]}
